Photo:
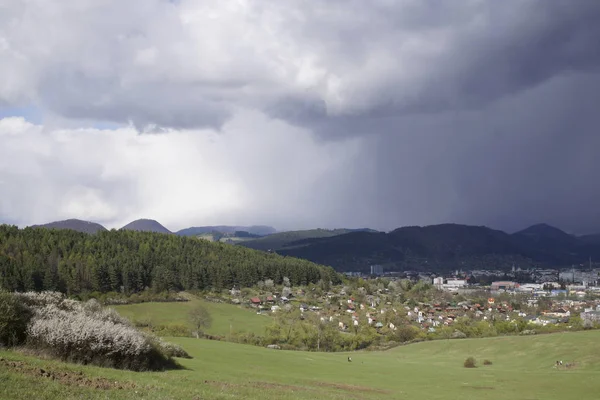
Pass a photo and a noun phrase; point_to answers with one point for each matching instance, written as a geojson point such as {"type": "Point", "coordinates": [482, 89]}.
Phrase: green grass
{"type": "Point", "coordinates": [523, 368]}
{"type": "Point", "coordinates": [225, 316]}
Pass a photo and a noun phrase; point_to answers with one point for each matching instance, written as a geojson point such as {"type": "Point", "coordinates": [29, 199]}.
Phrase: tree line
{"type": "Point", "coordinates": [127, 261]}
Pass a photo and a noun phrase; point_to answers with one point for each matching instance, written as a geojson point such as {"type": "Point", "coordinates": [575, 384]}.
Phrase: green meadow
{"type": "Point", "coordinates": [522, 368]}
{"type": "Point", "coordinates": [226, 317]}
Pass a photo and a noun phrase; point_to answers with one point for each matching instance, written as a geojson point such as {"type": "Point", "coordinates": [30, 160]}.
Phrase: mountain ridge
{"type": "Point", "coordinates": [288, 238]}
{"type": "Point", "coordinates": [446, 246]}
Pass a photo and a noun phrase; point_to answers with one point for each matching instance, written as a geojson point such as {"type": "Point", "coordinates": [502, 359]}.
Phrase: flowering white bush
{"type": "Point", "coordinates": [38, 299]}
{"type": "Point", "coordinates": [80, 331]}
{"type": "Point", "coordinates": [88, 333]}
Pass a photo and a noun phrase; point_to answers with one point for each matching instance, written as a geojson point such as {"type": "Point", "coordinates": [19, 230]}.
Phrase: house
{"type": "Point", "coordinates": [270, 299]}
{"type": "Point", "coordinates": [504, 285]}
{"type": "Point", "coordinates": [255, 301]}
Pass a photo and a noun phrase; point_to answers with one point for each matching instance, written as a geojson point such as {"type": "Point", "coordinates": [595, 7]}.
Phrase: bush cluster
{"type": "Point", "coordinates": [84, 332]}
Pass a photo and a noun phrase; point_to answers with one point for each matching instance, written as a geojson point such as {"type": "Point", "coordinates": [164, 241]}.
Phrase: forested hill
{"type": "Point", "coordinates": [280, 240]}
{"type": "Point", "coordinates": [74, 224]}
{"type": "Point", "coordinates": [447, 247]}
{"type": "Point", "coordinates": [74, 262]}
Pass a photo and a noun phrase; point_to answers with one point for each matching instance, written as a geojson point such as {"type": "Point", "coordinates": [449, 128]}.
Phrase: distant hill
{"type": "Point", "coordinates": [590, 239]}
{"type": "Point", "coordinates": [548, 242]}
{"type": "Point", "coordinates": [145, 225]}
{"type": "Point", "coordinates": [73, 224]}
{"type": "Point", "coordinates": [442, 247]}
{"type": "Point", "coordinates": [545, 232]}
{"type": "Point", "coordinates": [259, 230]}
{"type": "Point", "coordinates": [289, 239]}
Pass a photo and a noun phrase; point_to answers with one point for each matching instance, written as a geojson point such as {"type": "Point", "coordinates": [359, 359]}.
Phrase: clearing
{"type": "Point", "coordinates": [226, 317]}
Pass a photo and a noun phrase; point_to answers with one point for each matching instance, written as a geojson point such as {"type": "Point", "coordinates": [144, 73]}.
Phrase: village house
{"type": "Point", "coordinates": [255, 301]}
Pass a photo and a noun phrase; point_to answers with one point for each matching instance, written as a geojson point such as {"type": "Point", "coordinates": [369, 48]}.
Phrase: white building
{"type": "Point", "coordinates": [530, 287]}
{"type": "Point", "coordinates": [376, 270]}
{"type": "Point", "coordinates": [453, 285]}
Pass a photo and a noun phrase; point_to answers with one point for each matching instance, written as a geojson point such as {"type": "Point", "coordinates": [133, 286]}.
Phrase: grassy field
{"type": "Point", "coordinates": [225, 316]}
{"type": "Point", "coordinates": [523, 368]}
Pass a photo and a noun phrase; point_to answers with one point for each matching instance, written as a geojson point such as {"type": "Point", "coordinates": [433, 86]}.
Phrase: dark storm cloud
{"type": "Point", "coordinates": [518, 46]}
{"type": "Point", "coordinates": [530, 158]}
{"type": "Point", "coordinates": [503, 132]}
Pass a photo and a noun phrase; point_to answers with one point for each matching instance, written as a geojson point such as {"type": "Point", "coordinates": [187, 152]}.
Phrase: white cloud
{"type": "Point", "coordinates": [186, 177]}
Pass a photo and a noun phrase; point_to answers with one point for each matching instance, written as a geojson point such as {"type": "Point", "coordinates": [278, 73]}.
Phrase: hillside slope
{"type": "Point", "coordinates": [522, 368]}
{"type": "Point", "coordinates": [281, 240]}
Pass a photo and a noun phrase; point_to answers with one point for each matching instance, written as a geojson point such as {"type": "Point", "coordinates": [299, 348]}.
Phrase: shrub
{"type": "Point", "coordinates": [470, 363]}
{"type": "Point", "coordinates": [14, 317]}
{"type": "Point", "coordinates": [405, 333]}
{"type": "Point", "coordinates": [144, 322]}
{"type": "Point", "coordinates": [177, 330]}
{"type": "Point", "coordinates": [172, 349]}
{"type": "Point", "coordinates": [458, 335]}
{"type": "Point", "coordinates": [90, 334]}
{"type": "Point", "coordinates": [487, 362]}
{"type": "Point", "coordinates": [527, 332]}
{"type": "Point", "coordinates": [587, 324]}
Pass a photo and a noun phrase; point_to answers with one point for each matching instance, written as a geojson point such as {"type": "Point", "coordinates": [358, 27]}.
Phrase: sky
{"type": "Point", "coordinates": [301, 114]}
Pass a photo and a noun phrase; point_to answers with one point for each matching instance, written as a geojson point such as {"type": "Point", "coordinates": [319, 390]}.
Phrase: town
{"type": "Point", "coordinates": [394, 307]}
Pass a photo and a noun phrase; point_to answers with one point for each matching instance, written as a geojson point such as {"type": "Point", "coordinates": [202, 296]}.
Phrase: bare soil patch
{"type": "Point", "coordinates": [481, 387]}
{"type": "Point", "coordinates": [65, 377]}
{"type": "Point", "coordinates": [352, 388]}
{"type": "Point", "coordinates": [260, 385]}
